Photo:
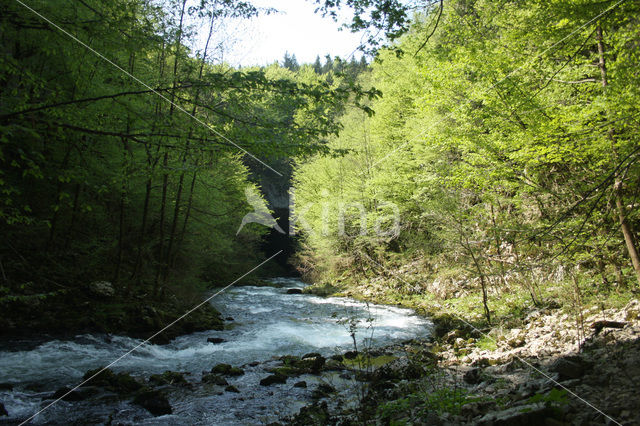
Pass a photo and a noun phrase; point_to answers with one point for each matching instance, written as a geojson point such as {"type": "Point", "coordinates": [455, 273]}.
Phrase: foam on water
{"type": "Point", "coordinates": [267, 323]}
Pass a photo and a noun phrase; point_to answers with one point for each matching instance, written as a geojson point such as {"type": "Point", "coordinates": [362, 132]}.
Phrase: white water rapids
{"type": "Point", "coordinates": [267, 323]}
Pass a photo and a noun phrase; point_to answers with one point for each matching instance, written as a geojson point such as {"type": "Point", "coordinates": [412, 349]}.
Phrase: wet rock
{"type": "Point", "coordinates": [350, 355]}
{"type": "Point", "coordinates": [227, 370]}
{"type": "Point", "coordinates": [523, 415]}
{"type": "Point", "coordinates": [311, 355]}
{"type": "Point", "coordinates": [6, 386]}
{"type": "Point", "coordinates": [232, 388]}
{"type": "Point", "coordinates": [273, 379]}
{"type": "Point", "coordinates": [214, 379]}
{"type": "Point", "coordinates": [571, 367]}
{"type": "Point", "coordinates": [300, 384]}
{"type": "Point", "coordinates": [80, 394]}
{"type": "Point", "coordinates": [333, 365]}
{"type": "Point", "coordinates": [121, 383]}
{"type": "Point", "coordinates": [215, 340]}
{"type": "Point", "coordinates": [312, 415]}
{"type": "Point", "coordinates": [229, 319]}
{"type": "Point", "coordinates": [294, 291]}
{"type": "Point", "coordinates": [294, 366]}
{"type": "Point", "coordinates": [3, 411]}
{"type": "Point", "coordinates": [153, 401]}
{"type": "Point", "coordinates": [168, 378]}
{"type": "Point", "coordinates": [323, 390]}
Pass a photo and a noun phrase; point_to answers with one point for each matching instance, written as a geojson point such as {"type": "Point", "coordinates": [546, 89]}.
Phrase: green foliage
{"type": "Point", "coordinates": [506, 156]}
{"type": "Point", "coordinates": [416, 406]}
{"type": "Point", "coordinates": [143, 185]}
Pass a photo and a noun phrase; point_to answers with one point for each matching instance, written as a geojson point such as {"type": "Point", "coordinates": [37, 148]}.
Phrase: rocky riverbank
{"type": "Point", "coordinates": [100, 308]}
{"type": "Point", "coordinates": [548, 368]}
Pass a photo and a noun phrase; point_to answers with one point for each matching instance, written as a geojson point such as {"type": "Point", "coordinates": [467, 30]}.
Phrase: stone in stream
{"type": "Point", "coordinates": [168, 378]}
{"type": "Point", "coordinates": [3, 411]}
{"type": "Point", "coordinates": [214, 379]}
{"type": "Point", "coordinates": [300, 384]}
{"type": "Point", "coordinates": [154, 401]}
{"type": "Point", "coordinates": [232, 388]}
{"type": "Point", "coordinates": [227, 370]}
{"type": "Point", "coordinates": [311, 355]}
{"type": "Point", "coordinates": [215, 340]}
{"type": "Point", "coordinates": [273, 379]}
{"type": "Point", "coordinates": [322, 391]}
{"type": "Point", "coordinates": [294, 291]}
{"type": "Point", "coordinates": [351, 354]}
{"type": "Point", "coordinates": [121, 383]}
{"type": "Point", "coordinates": [80, 394]}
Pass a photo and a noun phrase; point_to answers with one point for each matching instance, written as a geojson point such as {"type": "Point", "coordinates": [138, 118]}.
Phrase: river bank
{"type": "Point", "coordinates": [101, 308]}
{"type": "Point", "coordinates": [546, 364]}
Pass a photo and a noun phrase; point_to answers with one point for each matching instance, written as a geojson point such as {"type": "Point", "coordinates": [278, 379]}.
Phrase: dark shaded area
{"type": "Point", "coordinates": [275, 241]}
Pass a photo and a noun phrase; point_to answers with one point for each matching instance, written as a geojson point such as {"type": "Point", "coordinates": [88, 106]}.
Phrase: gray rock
{"type": "Point", "coordinates": [523, 415]}
{"type": "Point", "coordinates": [273, 379]}
{"type": "Point", "coordinates": [572, 367]}
{"type": "Point", "coordinates": [214, 379]}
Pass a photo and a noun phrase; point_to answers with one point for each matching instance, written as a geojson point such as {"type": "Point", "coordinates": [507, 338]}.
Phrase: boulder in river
{"type": "Point", "coordinates": [3, 411]}
{"type": "Point", "coordinates": [214, 379]}
{"type": "Point", "coordinates": [80, 394]}
{"type": "Point", "coordinates": [232, 388]}
{"type": "Point", "coordinates": [215, 340]}
{"type": "Point", "coordinates": [227, 370]}
{"type": "Point", "coordinates": [294, 291]}
{"type": "Point", "coordinates": [300, 384]}
{"type": "Point", "coordinates": [273, 379]}
{"type": "Point", "coordinates": [167, 378]}
{"type": "Point", "coordinates": [154, 401]}
{"type": "Point", "coordinates": [351, 354]}
{"type": "Point", "coordinates": [121, 383]}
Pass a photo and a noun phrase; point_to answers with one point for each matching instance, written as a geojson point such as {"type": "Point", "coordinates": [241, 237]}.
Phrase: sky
{"type": "Point", "coordinates": [297, 30]}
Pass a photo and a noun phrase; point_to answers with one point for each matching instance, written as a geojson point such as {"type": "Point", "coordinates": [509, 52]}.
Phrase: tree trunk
{"type": "Point", "coordinates": [165, 178]}
{"type": "Point", "coordinates": [627, 232]}
{"type": "Point", "coordinates": [176, 211]}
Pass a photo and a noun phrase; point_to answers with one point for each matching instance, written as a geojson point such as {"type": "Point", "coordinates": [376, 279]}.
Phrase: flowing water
{"type": "Point", "coordinates": [268, 323]}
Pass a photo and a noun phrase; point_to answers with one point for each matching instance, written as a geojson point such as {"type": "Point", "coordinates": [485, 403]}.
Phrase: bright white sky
{"type": "Point", "coordinates": [297, 30]}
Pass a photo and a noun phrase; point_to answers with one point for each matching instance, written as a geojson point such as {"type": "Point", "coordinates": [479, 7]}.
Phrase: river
{"type": "Point", "coordinates": [267, 323]}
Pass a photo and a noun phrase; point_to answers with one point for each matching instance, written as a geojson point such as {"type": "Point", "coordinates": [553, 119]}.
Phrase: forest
{"type": "Point", "coordinates": [479, 165]}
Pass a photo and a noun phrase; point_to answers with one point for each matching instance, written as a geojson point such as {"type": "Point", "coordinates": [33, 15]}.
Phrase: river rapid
{"type": "Point", "coordinates": [267, 323]}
